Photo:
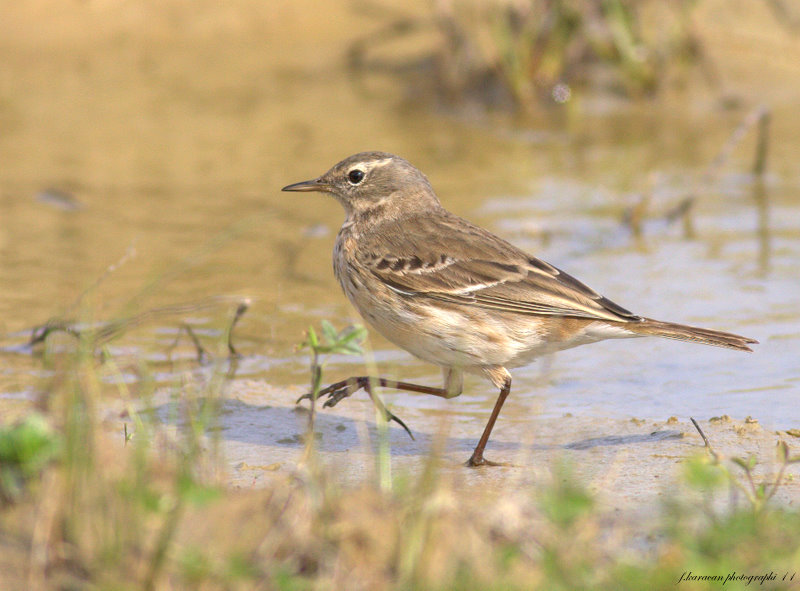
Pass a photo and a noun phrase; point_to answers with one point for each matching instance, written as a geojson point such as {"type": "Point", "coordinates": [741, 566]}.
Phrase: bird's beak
{"type": "Point", "coordinates": [316, 184]}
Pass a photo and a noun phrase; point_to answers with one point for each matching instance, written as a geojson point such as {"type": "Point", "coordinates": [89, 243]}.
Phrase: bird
{"type": "Point", "coordinates": [456, 295]}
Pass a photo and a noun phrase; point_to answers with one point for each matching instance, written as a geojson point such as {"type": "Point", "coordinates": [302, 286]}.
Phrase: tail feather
{"type": "Point", "coordinates": [693, 334]}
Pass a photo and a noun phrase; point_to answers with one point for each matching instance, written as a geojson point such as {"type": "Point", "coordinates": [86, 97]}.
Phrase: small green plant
{"type": "Point", "coordinates": [761, 493]}
{"type": "Point", "coordinates": [708, 473]}
{"type": "Point", "coordinates": [25, 449]}
{"type": "Point", "coordinates": [345, 342]}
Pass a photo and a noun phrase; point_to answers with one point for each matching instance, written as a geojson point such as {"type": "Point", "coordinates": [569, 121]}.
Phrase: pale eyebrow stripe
{"type": "Point", "coordinates": [383, 162]}
{"type": "Point", "coordinates": [368, 166]}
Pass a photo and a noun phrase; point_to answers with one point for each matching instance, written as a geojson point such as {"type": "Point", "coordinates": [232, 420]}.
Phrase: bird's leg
{"type": "Point", "coordinates": [477, 458]}
{"type": "Point", "coordinates": [340, 390]}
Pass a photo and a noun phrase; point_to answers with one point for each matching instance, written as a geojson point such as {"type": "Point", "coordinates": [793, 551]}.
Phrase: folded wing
{"type": "Point", "coordinates": [467, 265]}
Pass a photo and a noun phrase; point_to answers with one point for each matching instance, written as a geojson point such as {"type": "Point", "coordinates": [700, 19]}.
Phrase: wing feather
{"type": "Point", "coordinates": [449, 259]}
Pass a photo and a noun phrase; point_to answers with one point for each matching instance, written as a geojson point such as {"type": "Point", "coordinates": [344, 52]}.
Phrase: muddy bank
{"type": "Point", "coordinates": [629, 464]}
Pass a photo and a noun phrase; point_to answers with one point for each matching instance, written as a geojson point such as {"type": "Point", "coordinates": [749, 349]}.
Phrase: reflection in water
{"type": "Point", "coordinates": [761, 201]}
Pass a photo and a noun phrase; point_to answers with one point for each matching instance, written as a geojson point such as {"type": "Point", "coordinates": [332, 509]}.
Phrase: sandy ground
{"type": "Point", "coordinates": [628, 464]}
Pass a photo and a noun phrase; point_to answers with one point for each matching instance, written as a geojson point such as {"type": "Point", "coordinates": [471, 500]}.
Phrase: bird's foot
{"type": "Point", "coordinates": [341, 390]}
{"type": "Point", "coordinates": [337, 395]}
{"type": "Point", "coordinates": [478, 460]}
{"type": "Point", "coordinates": [335, 392]}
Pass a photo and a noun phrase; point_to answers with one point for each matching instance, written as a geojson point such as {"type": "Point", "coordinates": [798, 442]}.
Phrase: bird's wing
{"type": "Point", "coordinates": [449, 259]}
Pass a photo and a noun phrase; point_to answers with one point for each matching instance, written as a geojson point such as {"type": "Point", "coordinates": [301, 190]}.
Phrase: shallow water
{"type": "Point", "coordinates": [164, 150]}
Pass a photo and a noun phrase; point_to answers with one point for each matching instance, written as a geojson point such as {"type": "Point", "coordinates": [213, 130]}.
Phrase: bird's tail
{"type": "Point", "coordinates": [682, 332]}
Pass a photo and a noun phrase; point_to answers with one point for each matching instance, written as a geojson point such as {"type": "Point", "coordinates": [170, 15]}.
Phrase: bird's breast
{"type": "Point", "coordinates": [342, 248]}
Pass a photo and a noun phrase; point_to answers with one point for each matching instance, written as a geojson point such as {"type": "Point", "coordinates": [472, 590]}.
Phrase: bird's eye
{"type": "Point", "coordinates": [355, 176]}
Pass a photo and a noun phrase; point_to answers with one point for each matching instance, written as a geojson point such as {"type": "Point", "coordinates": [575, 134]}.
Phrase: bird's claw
{"type": "Point", "coordinates": [393, 417]}
{"type": "Point", "coordinates": [337, 395]}
{"type": "Point", "coordinates": [338, 392]}
{"type": "Point", "coordinates": [476, 461]}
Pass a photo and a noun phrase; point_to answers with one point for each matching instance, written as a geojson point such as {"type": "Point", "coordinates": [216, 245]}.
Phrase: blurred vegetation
{"type": "Point", "coordinates": [539, 48]}
{"type": "Point", "coordinates": [521, 54]}
{"type": "Point", "coordinates": [150, 511]}
{"type": "Point", "coordinates": [25, 449]}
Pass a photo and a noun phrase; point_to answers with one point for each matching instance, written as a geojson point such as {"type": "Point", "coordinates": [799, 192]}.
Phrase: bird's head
{"type": "Point", "coordinates": [371, 181]}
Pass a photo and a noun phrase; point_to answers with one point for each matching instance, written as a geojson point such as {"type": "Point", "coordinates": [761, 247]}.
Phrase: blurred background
{"type": "Point", "coordinates": [651, 149]}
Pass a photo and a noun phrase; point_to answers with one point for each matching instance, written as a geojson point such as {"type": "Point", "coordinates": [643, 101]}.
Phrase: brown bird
{"type": "Point", "coordinates": [456, 295]}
